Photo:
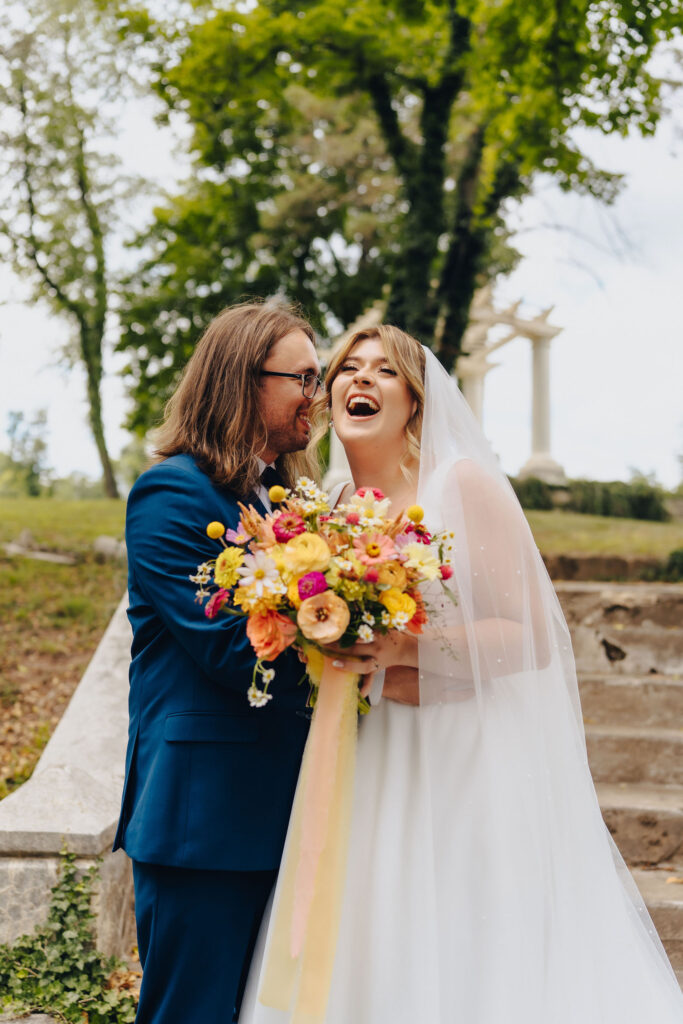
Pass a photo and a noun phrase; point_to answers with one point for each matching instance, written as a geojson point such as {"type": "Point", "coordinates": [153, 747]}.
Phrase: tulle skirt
{"type": "Point", "coordinates": [482, 885]}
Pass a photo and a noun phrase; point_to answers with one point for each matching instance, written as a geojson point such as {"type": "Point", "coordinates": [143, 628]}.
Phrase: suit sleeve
{"type": "Point", "coordinates": [168, 510]}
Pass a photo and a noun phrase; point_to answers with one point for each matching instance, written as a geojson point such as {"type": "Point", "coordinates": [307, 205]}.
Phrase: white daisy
{"type": "Point", "coordinates": [258, 698]}
{"type": "Point", "coordinates": [365, 635]}
{"type": "Point", "coordinates": [260, 572]}
{"type": "Point", "coordinates": [368, 619]}
{"type": "Point", "coordinates": [267, 675]}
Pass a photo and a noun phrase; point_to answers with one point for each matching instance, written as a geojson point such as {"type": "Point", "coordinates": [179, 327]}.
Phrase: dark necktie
{"type": "Point", "coordinates": [271, 478]}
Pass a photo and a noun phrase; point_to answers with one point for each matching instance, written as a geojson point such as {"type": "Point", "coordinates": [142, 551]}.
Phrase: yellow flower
{"type": "Point", "coordinates": [307, 553]}
{"type": "Point", "coordinates": [419, 556]}
{"type": "Point", "coordinates": [248, 600]}
{"type": "Point", "coordinates": [392, 574]}
{"type": "Point", "coordinates": [277, 553]}
{"type": "Point", "coordinates": [227, 564]}
{"type": "Point", "coordinates": [293, 592]}
{"type": "Point", "coordinates": [277, 494]}
{"type": "Point", "coordinates": [215, 530]}
{"type": "Point", "coordinates": [324, 617]}
{"type": "Point", "coordinates": [415, 513]}
{"type": "Point", "coordinates": [394, 601]}
{"type": "Point", "coordinates": [352, 590]}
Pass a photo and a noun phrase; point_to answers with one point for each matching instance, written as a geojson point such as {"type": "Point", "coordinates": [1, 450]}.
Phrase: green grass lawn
{"type": "Point", "coordinates": [51, 618]}
{"type": "Point", "coordinates": [569, 533]}
{"type": "Point", "coordinates": [61, 525]}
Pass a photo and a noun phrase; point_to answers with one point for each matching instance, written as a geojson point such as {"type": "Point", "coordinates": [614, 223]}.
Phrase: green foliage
{"type": "Point", "coordinates": [672, 570]}
{"type": "Point", "coordinates": [23, 472]}
{"type": "Point", "coordinates": [638, 499]}
{"type": "Point", "coordinates": [58, 970]}
{"type": "Point", "coordinates": [60, 190]}
{"type": "Point", "coordinates": [346, 152]}
{"type": "Point", "coordinates": [533, 493]}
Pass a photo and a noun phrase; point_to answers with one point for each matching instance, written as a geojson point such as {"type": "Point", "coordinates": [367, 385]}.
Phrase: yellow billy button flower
{"type": "Point", "coordinates": [215, 530]}
{"type": "Point", "coordinates": [415, 513]}
{"type": "Point", "coordinates": [277, 494]}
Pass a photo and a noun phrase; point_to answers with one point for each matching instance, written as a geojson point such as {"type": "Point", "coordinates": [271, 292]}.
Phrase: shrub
{"type": "Point", "coordinates": [58, 970]}
{"type": "Point", "coordinates": [672, 570]}
{"type": "Point", "coordinates": [636, 500]}
{"type": "Point", "coordinates": [533, 493]}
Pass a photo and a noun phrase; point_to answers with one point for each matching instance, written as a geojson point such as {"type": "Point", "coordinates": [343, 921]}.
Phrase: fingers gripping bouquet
{"type": "Point", "coordinates": [312, 576]}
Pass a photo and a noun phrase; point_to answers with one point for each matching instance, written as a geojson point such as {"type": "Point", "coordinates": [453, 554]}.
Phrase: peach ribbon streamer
{"type": "Point", "coordinates": [307, 911]}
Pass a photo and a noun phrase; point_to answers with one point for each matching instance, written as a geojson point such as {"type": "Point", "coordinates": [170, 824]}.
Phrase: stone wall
{"type": "Point", "coordinates": [72, 800]}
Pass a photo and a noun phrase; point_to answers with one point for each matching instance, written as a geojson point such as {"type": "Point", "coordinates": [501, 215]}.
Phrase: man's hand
{"type": "Point", "coordinates": [402, 685]}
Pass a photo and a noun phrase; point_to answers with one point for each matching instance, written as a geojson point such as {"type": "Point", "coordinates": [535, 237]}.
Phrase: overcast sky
{"type": "Point", "coordinates": [614, 277]}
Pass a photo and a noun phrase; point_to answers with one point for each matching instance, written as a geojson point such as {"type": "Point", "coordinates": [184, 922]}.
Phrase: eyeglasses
{"type": "Point", "coordinates": [310, 382]}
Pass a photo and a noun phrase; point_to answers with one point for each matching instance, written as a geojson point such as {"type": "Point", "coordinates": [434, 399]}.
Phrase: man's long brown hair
{"type": "Point", "coordinates": [215, 413]}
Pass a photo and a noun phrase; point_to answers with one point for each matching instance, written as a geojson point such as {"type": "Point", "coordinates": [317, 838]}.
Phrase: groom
{"type": "Point", "coordinates": [210, 781]}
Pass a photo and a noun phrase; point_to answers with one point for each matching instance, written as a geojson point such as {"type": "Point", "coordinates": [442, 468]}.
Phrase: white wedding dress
{"type": "Point", "coordinates": [482, 886]}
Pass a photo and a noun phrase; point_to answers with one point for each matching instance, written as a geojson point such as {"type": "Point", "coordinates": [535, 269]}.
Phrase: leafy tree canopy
{"type": "Point", "coordinates": [346, 151]}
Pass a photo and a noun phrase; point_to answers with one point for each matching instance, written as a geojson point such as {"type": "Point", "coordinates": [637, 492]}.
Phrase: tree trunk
{"type": "Point", "coordinates": [91, 350]}
{"type": "Point", "coordinates": [413, 302]}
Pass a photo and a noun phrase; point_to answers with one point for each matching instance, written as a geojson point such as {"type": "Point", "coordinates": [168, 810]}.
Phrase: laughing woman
{"type": "Point", "coordinates": [482, 885]}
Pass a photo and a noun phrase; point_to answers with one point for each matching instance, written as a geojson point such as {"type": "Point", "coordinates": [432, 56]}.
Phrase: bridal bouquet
{"type": "Point", "coordinates": [310, 575]}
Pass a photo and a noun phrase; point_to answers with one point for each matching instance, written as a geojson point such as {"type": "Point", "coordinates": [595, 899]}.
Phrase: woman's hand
{"type": "Point", "coordinates": [393, 648]}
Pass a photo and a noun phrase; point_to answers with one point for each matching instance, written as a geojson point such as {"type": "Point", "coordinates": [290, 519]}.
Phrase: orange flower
{"type": "Point", "coordinates": [270, 633]}
{"type": "Point", "coordinates": [323, 618]}
{"type": "Point", "coordinates": [420, 618]}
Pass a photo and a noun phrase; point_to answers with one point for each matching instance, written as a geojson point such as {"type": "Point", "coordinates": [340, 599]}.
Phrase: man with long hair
{"type": "Point", "coordinates": [209, 782]}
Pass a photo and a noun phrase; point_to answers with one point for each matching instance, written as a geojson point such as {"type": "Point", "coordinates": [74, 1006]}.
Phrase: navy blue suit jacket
{"type": "Point", "coordinates": [209, 780]}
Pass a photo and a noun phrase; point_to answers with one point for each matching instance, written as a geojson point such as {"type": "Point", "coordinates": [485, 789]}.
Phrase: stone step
{"type": "Point", "coordinates": [664, 900]}
{"type": "Point", "coordinates": [632, 700]}
{"type": "Point", "coordinates": [624, 753]}
{"type": "Point", "coordinates": [628, 650]}
{"type": "Point", "coordinates": [625, 628]}
{"type": "Point", "coordinates": [646, 821]}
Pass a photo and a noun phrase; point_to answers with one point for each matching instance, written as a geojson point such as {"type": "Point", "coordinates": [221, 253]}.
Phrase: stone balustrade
{"type": "Point", "coordinates": [72, 801]}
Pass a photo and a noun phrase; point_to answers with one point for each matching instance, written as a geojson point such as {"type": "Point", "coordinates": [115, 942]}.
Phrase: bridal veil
{"type": "Point", "coordinates": [483, 886]}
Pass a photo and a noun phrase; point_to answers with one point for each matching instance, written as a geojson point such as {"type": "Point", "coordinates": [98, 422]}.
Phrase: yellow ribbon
{"type": "Point", "coordinates": [307, 911]}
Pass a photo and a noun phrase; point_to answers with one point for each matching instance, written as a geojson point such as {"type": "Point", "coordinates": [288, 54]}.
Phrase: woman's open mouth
{"type": "Point", "coordinates": [362, 406]}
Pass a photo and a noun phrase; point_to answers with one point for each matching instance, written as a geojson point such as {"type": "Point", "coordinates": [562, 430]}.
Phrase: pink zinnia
{"type": "Point", "coordinates": [288, 525]}
{"type": "Point", "coordinates": [374, 548]}
{"type": "Point", "coordinates": [216, 602]}
{"type": "Point", "coordinates": [376, 493]}
{"type": "Point", "coordinates": [311, 584]}
{"type": "Point", "coordinates": [413, 533]}
{"type": "Point", "coordinates": [446, 572]}
{"type": "Point", "coordinates": [353, 518]}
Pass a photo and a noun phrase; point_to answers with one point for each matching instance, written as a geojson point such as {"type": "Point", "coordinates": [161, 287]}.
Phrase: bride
{"type": "Point", "coordinates": [482, 886]}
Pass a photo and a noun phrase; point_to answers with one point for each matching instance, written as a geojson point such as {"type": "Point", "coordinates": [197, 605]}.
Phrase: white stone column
{"type": "Point", "coordinates": [473, 391]}
{"type": "Point", "coordinates": [541, 463]}
{"type": "Point", "coordinates": [540, 422]}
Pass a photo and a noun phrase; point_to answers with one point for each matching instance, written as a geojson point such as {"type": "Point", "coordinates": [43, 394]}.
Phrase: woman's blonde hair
{"type": "Point", "coordinates": [215, 413]}
{"type": "Point", "coordinates": [406, 356]}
